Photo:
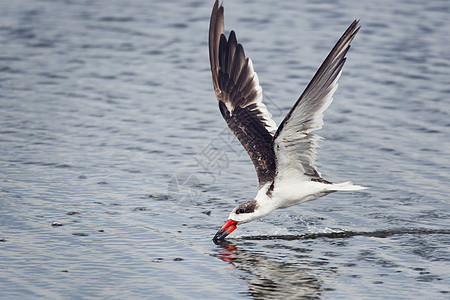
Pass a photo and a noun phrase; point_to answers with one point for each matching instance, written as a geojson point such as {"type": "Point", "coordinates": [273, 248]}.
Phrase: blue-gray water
{"type": "Point", "coordinates": [116, 168]}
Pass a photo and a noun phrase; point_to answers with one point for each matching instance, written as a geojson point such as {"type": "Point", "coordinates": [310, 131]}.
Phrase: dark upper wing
{"type": "Point", "coordinates": [294, 146]}
{"type": "Point", "coordinates": [240, 96]}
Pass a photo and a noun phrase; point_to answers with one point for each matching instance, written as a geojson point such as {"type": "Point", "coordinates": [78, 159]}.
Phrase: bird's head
{"type": "Point", "coordinates": [243, 213]}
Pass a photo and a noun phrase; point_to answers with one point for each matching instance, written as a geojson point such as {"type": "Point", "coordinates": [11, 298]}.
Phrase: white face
{"type": "Point", "coordinates": [241, 218]}
{"type": "Point", "coordinates": [245, 212]}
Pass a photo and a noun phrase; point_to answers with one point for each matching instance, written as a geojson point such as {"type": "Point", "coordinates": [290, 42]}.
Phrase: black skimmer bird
{"type": "Point", "coordinates": [283, 157]}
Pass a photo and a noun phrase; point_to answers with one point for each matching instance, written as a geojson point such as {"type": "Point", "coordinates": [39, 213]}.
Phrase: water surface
{"type": "Point", "coordinates": [116, 168]}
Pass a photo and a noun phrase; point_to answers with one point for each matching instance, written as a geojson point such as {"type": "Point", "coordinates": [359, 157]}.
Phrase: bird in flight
{"type": "Point", "coordinates": [283, 156]}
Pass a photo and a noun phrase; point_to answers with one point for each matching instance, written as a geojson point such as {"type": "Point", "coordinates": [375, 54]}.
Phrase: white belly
{"type": "Point", "coordinates": [289, 193]}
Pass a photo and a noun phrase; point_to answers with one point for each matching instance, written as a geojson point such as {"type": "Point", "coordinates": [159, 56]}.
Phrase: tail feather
{"type": "Point", "coordinates": [346, 186]}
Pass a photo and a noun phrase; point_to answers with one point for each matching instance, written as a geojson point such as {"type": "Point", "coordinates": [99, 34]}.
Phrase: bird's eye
{"type": "Point", "coordinates": [240, 211]}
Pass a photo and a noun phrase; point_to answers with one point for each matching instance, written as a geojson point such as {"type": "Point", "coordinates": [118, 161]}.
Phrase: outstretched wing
{"type": "Point", "coordinates": [240, 97]}
{"type": "Point", "coordinates": [294, 146]}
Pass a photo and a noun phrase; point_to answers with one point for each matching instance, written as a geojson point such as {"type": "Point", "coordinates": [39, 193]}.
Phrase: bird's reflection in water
{"type": "Point", "coordinates": [269, 279]}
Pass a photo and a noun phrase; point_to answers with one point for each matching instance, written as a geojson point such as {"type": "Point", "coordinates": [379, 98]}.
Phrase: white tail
{"type": "Point", "coordinates": [346, 186]}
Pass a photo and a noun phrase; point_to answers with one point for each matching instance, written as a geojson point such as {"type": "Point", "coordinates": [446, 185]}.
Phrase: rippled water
{"type": "Point", "coordinates": [116, 168]}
